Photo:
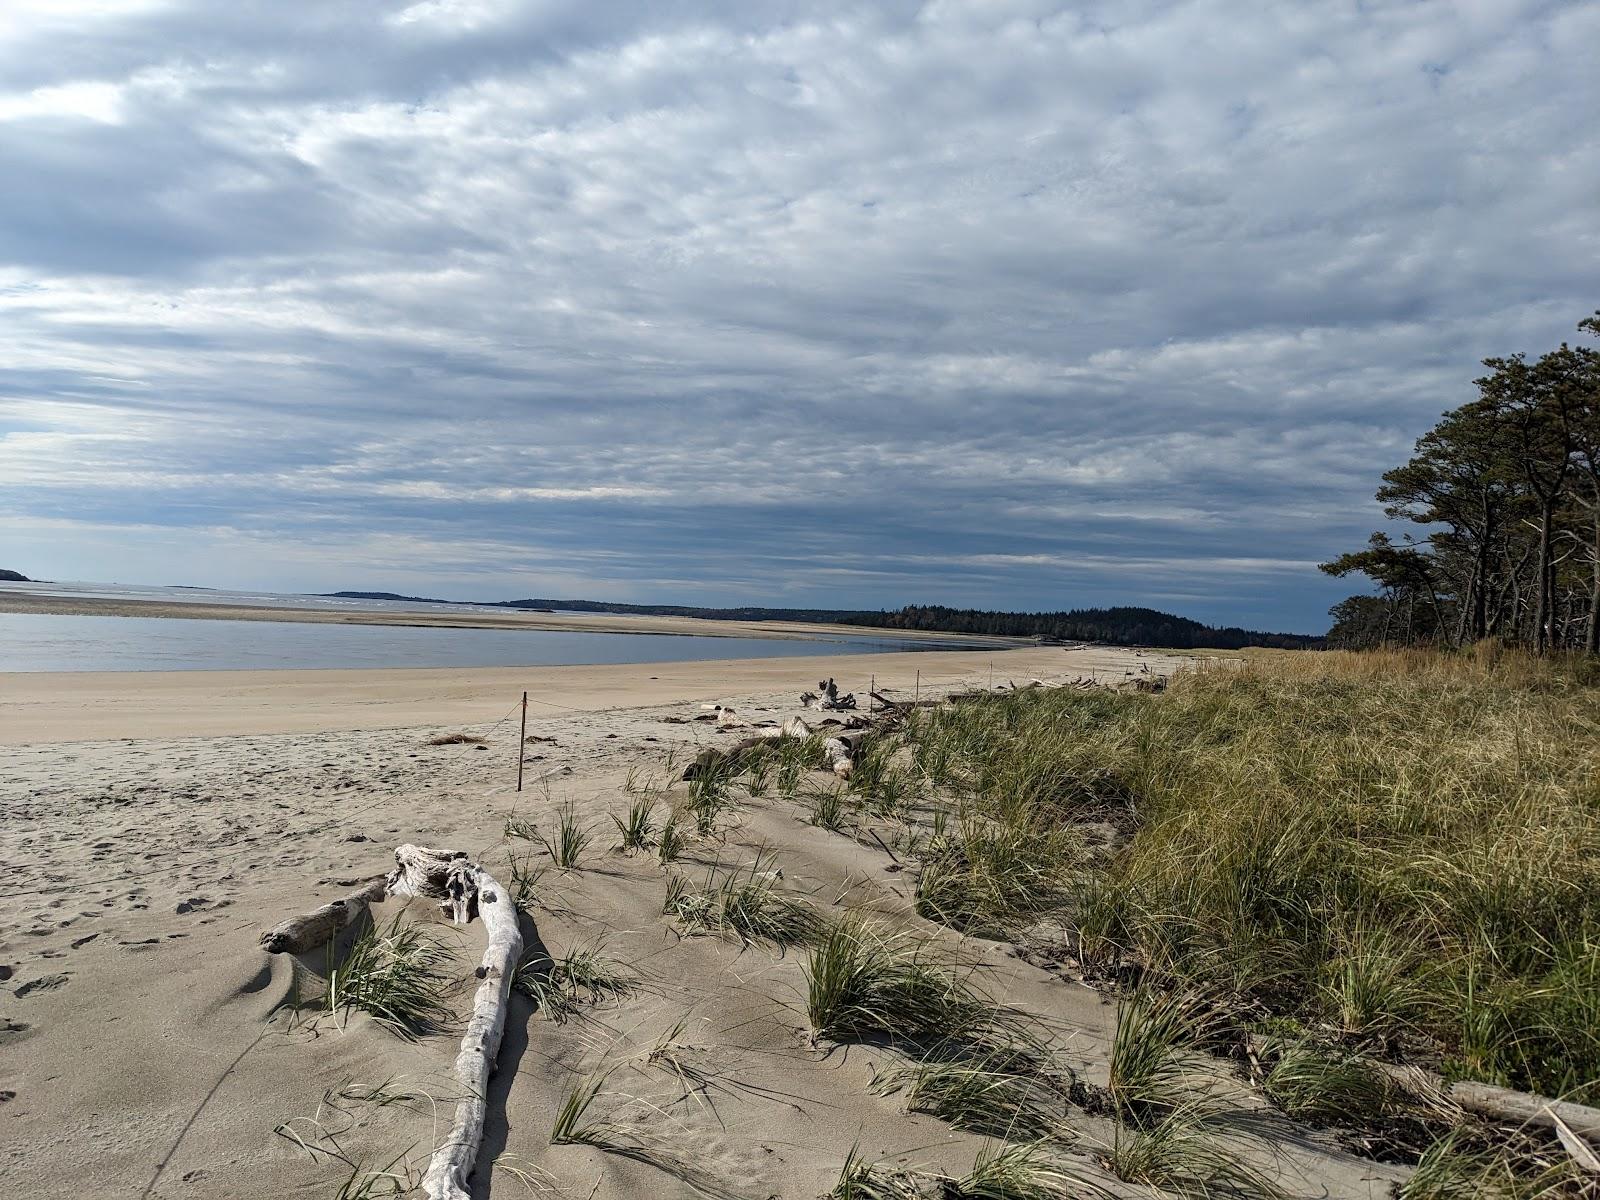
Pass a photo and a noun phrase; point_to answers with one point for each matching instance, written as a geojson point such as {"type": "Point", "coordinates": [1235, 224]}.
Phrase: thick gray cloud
{"type": "Point", "coordinates": [994, 303]}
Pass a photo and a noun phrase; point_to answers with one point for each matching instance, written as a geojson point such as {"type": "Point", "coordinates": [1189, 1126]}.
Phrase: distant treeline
{"type": "Point", "coordinates": [1117, 626]}
{"type": "Point", "coordinates": [1507, 488]}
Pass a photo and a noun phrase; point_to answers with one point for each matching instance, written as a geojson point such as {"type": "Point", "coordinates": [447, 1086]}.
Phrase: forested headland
{"type": "Point", "coordinates": [1115, 626]}
{"type": "Point", "coordinates": [1507, 489]}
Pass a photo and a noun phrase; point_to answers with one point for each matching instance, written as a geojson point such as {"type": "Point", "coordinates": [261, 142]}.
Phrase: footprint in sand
{"type": "Point", "coordinates": [45, 983]}
{"type": "Point", "coordinates": [13, 1031]}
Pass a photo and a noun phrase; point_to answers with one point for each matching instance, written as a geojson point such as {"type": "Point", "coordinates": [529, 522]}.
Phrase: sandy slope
{"type": "Point", "coordinates": [140, 1054]}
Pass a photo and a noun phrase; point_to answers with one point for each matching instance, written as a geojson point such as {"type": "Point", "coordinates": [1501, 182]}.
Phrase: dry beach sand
{"type": "Point", "coordinates": [154, 825]}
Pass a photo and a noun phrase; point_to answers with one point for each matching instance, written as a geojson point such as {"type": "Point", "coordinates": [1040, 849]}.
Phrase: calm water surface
{"type": "Point", "coordinates": [32, 642]}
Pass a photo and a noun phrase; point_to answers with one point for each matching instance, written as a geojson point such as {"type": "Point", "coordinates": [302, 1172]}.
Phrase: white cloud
{"type": "Point", "coordinates": [1148, 284]}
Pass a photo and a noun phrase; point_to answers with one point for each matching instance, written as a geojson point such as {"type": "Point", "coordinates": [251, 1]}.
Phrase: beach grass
{"type": "Point", "coordinates": [745, 902]}
{"type": "Point", "coordinates": [396, 974]}
{"type": "Point", "coordinates": [637, 827]}
{"type": "Point", "coordinates": [569, 841]}
{"type": "Point", "coordinates": [1399, 847]}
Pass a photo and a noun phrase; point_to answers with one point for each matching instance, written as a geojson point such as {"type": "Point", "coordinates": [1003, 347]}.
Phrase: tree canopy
{"type": "Point", "coordinates": [1505, 491]}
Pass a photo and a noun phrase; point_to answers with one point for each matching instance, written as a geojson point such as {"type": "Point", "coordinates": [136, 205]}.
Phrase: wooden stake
{"type": "Point", "coordinates": [919, 685]}
{"type": "Point", "coordinates": [872, 688]}
{"type": "Point", "coordinates": [522, 739]}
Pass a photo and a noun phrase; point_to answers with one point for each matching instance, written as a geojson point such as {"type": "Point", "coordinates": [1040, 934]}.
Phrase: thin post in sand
{"type": "Point", "coordinates": [522, 739]}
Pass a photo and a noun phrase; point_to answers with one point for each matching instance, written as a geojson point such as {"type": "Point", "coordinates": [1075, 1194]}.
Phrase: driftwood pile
{"type": "Point", "coordinates": [465, 890]}
{"type": "Point", "coordinates": [827, 699]}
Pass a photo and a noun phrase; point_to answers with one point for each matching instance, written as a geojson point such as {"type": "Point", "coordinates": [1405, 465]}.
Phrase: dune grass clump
{"type": "Point", "coordinates": [866, 983]}
{"type": "Point", "coordinates": [1182, 1154]}
{"type": "Point", "coordinates": [394, 973]}
{"type": "Point", "coordinates": [638, 828]}
{"type": "Point", "coordinates": [795, 757]}
{"type": "Point", "coordinates": [828, 808]}
{"type": "Point", "coordinates": [1156, 1066]}
{"type": "Point", "coordinates": [525, 875]}
{"type": "Point", "coordinates": [1331, 1085]}
{"type": "Point", "coordinates": [879, 779]}
{"type": "Point", "coordinates": [992, 1094]}
{"type": "Point", "coordinates": [745, 902]}
{"type": "Point", "coordinates": [1400, 846]}
{"type": "Point", "coordinates": [994, 878]}
{"type": "Point", "coordinates": [559, 985]}
{"type": "Point", "coordinates": [672, 841]}
{"type": "Point", "coordinates": [570, 840]}
{"type": "Point", "coordinates": [710, 796]}
{"type": "Point", "coordinates": [861, 1179]}
{"type": "Point", "coordinates": [1001, 1170]}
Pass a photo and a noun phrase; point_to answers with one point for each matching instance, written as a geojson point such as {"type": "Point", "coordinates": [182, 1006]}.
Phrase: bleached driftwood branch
{"type": "Point", "coordinates": [1523, 1109]}
{"type": "Point", "coordinates": [310, 930]}
{"type": "Point", "coordinates": [1502, 1105]}
{"type": "Point", "coordinates": [829, 700]}
{"type": "Point", "coordinates": [467, 891]}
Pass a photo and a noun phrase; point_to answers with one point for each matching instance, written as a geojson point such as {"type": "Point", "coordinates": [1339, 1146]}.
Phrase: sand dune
{"type": "Point", "coordinates": [146, 1052]}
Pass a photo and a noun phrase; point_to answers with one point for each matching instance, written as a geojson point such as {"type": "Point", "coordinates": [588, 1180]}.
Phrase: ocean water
{"type": "Point", "coordinates": [39, 642]}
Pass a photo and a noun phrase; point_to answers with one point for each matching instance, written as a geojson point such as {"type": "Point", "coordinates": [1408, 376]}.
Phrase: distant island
{"type": "Point", "coordinates": [13, 577]}
{"type": "Point", "coordinates": [1117, 626]}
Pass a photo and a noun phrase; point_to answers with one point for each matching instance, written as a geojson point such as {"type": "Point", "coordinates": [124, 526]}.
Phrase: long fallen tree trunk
{"type": "Point", "coordinates": [467, 890]}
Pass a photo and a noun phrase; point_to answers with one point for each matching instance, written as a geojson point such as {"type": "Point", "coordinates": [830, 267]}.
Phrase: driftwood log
{"type": "Point", "coordinates": [1501, 1105]}
{"type": "Point", "coordinates": [1508, 1107]}
{"type": "Point", "coordinates": [299, 934]}
{"type": "Point", "coordinates": [467, 890]}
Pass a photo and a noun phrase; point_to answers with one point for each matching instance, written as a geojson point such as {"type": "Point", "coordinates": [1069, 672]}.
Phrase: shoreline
{"type": "Point", "coordinates": [40, 604]}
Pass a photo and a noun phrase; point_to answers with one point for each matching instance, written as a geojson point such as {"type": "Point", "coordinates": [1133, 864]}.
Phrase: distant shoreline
{"type": "Point", "coordinates": [476, 618]}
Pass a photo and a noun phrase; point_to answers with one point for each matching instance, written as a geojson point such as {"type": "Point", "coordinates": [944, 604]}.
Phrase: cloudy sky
{"type": "Point", "coordinates": [996, 303]}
